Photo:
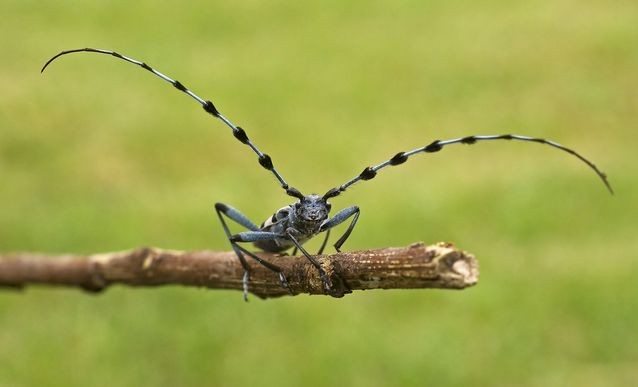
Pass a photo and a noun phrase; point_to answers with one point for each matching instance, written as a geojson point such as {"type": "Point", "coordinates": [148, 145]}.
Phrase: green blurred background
{"type": "Point", "coordinates": [97, 155]}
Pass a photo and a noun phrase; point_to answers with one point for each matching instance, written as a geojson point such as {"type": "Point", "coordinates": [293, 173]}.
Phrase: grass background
{"type": "Point", "coordinates": [97, 155]}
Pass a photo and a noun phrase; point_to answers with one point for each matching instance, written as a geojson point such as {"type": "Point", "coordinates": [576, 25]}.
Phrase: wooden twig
{"type": "Point", "coordinates": [416, 266]}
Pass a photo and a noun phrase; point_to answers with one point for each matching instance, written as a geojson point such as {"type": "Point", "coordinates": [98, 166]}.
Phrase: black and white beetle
{"type": "Point", "coordinates": [295, 224]}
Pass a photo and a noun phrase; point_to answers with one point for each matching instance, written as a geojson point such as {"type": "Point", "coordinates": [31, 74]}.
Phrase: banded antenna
{"type": "Point", "coordinates": [264, 160]}
{"type": "Point", "coordinates": [401, 157]}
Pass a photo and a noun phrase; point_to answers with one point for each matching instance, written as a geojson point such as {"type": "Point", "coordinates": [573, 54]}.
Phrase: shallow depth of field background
{"type": "Point", "coordinates": [98, 155]}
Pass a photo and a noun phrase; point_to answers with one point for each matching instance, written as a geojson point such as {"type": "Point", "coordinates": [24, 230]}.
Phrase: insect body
{"type": "Point", "coordinates": [295, 224]}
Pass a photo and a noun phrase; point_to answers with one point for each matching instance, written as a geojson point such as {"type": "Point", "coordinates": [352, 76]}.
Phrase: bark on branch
{"type": "Point", "coordinates": [415, 266]}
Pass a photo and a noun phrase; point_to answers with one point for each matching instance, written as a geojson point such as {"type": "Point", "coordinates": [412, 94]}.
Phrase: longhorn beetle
{"type": "Point", "coordinates": [293, 225]}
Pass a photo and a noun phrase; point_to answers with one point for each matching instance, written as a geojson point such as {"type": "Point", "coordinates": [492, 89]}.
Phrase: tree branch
{"type": "Point", "coordinates": [415, 266]}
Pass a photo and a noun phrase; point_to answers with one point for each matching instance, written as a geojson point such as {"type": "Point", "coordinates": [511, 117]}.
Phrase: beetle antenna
{"type": "Point", "coordinates": [401, 157]}
{"type": "Point", "coordinates": [264, 160]}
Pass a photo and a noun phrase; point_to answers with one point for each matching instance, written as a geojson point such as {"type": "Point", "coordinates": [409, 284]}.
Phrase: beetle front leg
{"type": "Point", "coordinates": [339, 218]}
{"type": "Point", "coordinates": [323, 244]}
{"type": "Point", "coordinates": [280, 273]}
{"type": "Point", "coordinates": [254, 236]}
{"type": "Point", "coordinates": [325, 278]}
